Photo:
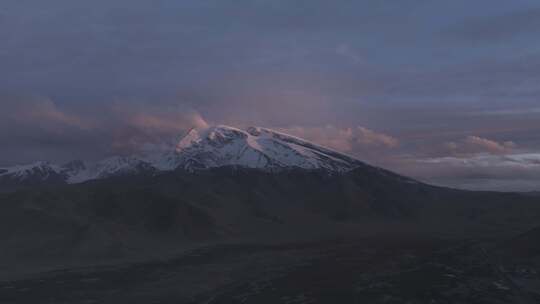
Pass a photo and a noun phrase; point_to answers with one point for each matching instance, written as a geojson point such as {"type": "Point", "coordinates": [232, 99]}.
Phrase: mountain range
{"type": "Point", "coordinates": [235, 194]}
{"type": "Point", "coordinates": [199, 149]}
{"type": "Point", "coordinates": [235, 180]}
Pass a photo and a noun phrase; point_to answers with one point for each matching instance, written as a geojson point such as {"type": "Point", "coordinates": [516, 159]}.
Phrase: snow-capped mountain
{"type": "Point", "coordinates": [72, 172]}
{"type": "Point", "coordinates": [255, 148]}
{"type": "Point", "coordinates": [37, 171]}
{"type": "Point", "coordinates": [199, 149]}
{"type": "Point", "coordinates": [108, 167]}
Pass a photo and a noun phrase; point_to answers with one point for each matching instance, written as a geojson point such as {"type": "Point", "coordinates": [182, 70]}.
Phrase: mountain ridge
{"type": "Point", "coordinates": [199, 149]}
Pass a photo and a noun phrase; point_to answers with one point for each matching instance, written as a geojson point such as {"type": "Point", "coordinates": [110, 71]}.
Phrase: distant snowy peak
{"type": "Point", "coordinates": [75, 171]}
{"type": "Point", "coordinates": [40, 170]}
{"type": "Point", "coordinates": [256, 148]}
{"type": "Point", "coordinates": [199, 149]}
{"type": "Point", "coordinates": [113, 166]}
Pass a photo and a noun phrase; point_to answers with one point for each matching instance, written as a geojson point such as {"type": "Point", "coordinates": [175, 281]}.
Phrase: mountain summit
{"type": "Point", "coordinates": [199, 149]}
{"type": "Point", "coordinates": [256, 148]}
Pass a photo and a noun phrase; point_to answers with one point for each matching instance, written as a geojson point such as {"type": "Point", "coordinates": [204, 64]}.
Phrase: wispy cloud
{"type": "Point", "coordinates": [41, 112]}
{"type": "Point", "coordinates": [366, 144]}
{"type": "Point", "coordinates": [344, 139]}
{"type": "Point", "coordinates": [504, 112]}
{"type": "Point", "coordinates": [35, 128]}
{"type": "Point", "coordinates": [519, 171]}
{"type": "Point", "coordinates": [472, 145]}
{"type": "Point", "coordinates": [346, 51]}
{"type": "Point", "coordinates": [136, 126]}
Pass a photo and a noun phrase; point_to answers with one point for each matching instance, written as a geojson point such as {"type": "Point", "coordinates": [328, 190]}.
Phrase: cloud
{"type": "Point", "coordinates": [329, 136]}
{"type": "Point", "coordinates": [367, 137]}
{"type": "Point", "coordinates": [35, 128]}
{"type": "Point", "coordinates": [397, 66]}
{"type": "Point", "coordinates": [346, 51]}
{"type": "Point", "coordinates": [473, 162]}
{"type": "Point", "coordinates": [510, 112]}
{"type": "Point", "coordinates": [138, 126]}
{"type": "Point", "coordinates": [39, 111]}
{"type": "Point", "coordinates": [472, 145]}
{"type": "Point", "coordinates": [359, 141]}
{"type": "Point", "coordinates": [490, 146]}
{"type": "Point", "coordinates": [518, 171]}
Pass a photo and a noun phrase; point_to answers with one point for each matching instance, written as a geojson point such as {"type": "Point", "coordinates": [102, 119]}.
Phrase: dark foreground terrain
{"type": "Point", "coordinates": [246, 236]}
{"type": "Point", "coordinates": [364, 270]}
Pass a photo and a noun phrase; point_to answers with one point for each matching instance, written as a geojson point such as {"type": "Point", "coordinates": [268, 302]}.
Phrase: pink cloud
{"type": "Point", "coordinates": [474, 145]}
{"type": "Point", "coordinates": [166, 123]}
{"type": "Point", "coordinates": [44, 113]}
{"type": "Point", "coordinates": [114, 128]}
{"type": "Point", "coordinates": [369, 137]}
{"type": "Point", "coordinates": [138, 126]}
{"type": "Point", "coordinates": [490, 145]}
{"type": "Point", "coordinates": [345, 139]}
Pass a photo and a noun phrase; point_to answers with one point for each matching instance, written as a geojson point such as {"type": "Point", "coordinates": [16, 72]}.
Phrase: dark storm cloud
{"type": "Point", "coordinates": [422, 74]}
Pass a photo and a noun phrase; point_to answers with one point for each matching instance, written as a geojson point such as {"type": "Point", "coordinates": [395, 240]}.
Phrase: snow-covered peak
{"type": "Point", "coordinates": [112, 166]}
{"type": "Point", "coordinates": [75, 171]}
{"type": "Point", "coordinates": [255, 148]}
{"type": "Point", "coordinates": [210, 147]}
{"type": "Point", "coordinates": [38, 169]}
{"type": "Point", "coordinates": [211, 135]}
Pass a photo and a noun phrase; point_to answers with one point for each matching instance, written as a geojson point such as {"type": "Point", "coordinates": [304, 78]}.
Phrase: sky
{"type": "Point", "coordinates": [444, 91]}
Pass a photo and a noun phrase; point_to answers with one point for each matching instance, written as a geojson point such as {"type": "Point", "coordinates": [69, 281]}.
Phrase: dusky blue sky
{"type": "Point", "coordinates": [445, 91]}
